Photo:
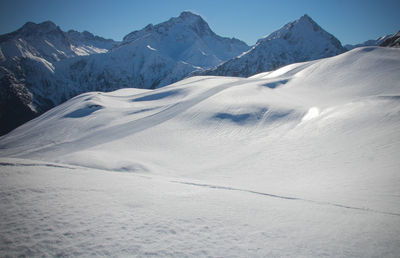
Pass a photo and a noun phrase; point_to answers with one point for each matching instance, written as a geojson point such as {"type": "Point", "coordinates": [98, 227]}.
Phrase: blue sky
{"type": "Point", "coordinates": [351, 21]}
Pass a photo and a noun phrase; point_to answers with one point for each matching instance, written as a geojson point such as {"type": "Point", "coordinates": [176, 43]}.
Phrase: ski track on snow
{"type": "Point", "coordinates": [228, 188]}
{"type": "Point", "coordinates": [5, 164]}
{"type": "Point", "coordinates": [218, 187]}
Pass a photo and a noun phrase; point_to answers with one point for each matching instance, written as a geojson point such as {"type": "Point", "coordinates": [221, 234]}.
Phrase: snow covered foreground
{"type": "Point", "coordinates": [302, 161]}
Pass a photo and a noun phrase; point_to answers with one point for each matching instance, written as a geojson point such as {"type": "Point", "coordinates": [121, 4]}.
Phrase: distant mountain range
{"type": "Point", "coordinates": [42, 66]}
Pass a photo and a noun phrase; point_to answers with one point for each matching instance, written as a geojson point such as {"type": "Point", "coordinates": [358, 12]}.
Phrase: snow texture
{"type": "Point", "coordinates": [297, 162]}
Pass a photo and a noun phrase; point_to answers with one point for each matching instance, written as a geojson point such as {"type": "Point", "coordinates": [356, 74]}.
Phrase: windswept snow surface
{"type": "Point", "coordinates": [302, 161]}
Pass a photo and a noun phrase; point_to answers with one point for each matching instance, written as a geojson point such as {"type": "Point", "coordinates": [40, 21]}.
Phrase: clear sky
{"type": "Point", "coordinates": [351, 21]}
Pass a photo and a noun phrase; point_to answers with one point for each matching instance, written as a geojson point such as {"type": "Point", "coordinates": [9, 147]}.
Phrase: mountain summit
{"type": "Point", "coordinates": [298, 41]}
{"type": "Point", "coordinates": [186, 21]}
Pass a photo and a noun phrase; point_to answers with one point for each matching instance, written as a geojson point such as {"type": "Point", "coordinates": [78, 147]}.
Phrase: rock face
{"type": "Point", "coordinates": [42, 66]}
{"type": "Point", "coordinates": [15, 102]}
{"type": "Point", "coordinates": [393, 41]}
{"type": "Point", "coordinates": [298, 41]}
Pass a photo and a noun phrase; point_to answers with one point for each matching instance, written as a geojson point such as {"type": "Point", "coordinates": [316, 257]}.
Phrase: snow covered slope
{"type": "Point", "coordinates": [298, 41]}
{"type": "Point", "coordinates": [301, 161]}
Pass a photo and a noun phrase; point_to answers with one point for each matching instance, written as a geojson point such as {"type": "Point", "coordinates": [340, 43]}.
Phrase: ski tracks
{"type": "Point", "coordinates": [218, 187]}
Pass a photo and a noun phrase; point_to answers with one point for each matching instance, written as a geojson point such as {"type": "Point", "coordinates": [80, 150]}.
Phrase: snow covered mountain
{"type": "Point", "coordinates": [48, 43]}
{"type": "Point", "coordinates": [188, 38]}
{"type": "Point", "coordinates": [44, 41]}
{"type": "Point", "coordinates": [371, 42]}
{"type": "Point", "coordinates": [298, 41]}
{"type": "Point", "coordinates": [27, 66]}
{"type": "Point", "coordinates": [42, 66]}
{"type": "Point", "coordinates": [298, 162]}
{"type": "Point", "coordinates": [152, 57]}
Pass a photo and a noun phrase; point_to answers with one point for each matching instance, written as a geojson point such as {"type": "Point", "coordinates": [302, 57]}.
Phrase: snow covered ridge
{"type": "Point", "coordinates": [298, 41]}
{"type": "Point", "coordinates": [278, 164]}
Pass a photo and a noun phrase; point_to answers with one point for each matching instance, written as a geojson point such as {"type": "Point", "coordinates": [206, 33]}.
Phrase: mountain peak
{"type": "Point", "coordinates": [298, 41]}
{"type": "Point", "coordinates": [190, 18]}
{"type": "Point", "coordinates": [188, 14]}
{"type": "Point", "coordinates": [187, 19]}
{"type": "Point", "coordinates": [31, 28]}
{"type": "Point", "coordinates": [46, 25]}
{"type": "Point", "coordinates": [305, 25]}
{"type": "Point", "coordinates": [306, 17]}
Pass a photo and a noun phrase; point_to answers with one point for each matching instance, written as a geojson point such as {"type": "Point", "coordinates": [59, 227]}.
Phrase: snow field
{"type": "Point", "coordinates": [51, 211]}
